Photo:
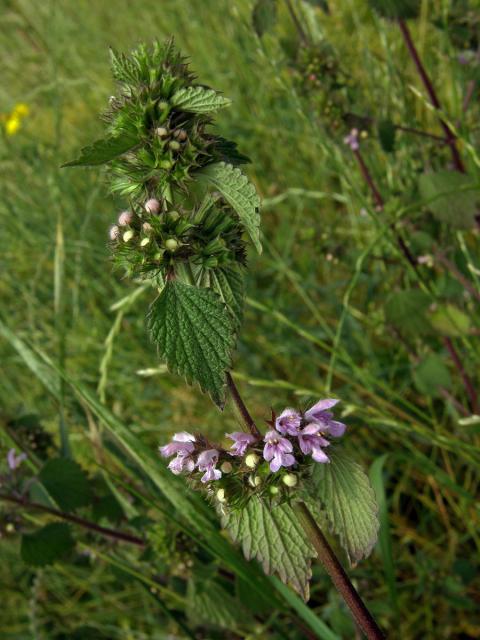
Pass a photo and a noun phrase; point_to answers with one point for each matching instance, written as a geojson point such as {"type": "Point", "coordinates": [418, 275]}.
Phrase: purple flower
{"type": "Point", "coordinates": [182, 445]}
{"type": "Point", "coordinates": [125, 218]}
{"type": "Point", "coordinates": [15, 461]}
{"type": "Point", "coordinates": [114, 232]}
{"type": "Point", "coordinates": [311, 441]}
{"type": "Point", "coordinates": [352, 140]}
{"type": "Point", "coordinates": [181, 463]}
{"type": "Point", "coordinates": [207, 461]}
{"type": "Point", "coordinates": [152, 206]}
{"type": "Point", "coordinates": [319, 415]}
{"type": "Point", "coordinates": [241, 442]}
{"type": "Point", "coordinates": [278, 450]}
{"type": "Point", "coordinates": [289, 422]}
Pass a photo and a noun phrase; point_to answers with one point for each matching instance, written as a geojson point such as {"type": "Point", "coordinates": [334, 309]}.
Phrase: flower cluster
{"type": "Point", "coordinates": [154, 239]}
{"type": "Point", "coordinates": [252, 464]}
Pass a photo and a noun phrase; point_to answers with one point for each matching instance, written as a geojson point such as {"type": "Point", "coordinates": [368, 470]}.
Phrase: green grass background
{"type": "Point", "coordinates": [58, 290]}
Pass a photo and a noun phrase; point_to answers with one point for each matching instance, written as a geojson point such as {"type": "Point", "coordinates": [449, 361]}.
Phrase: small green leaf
{"type": "Point", "coordinates": [46, 545]}
{"type": "Point", "coordinates": [449, 198]}
{"type": "Point", "coordinates": [431, 375]}
{"type": "Point", "coordinates": [229, 283]}
{"type": "Point", "coordinates": [274, 537]}
{"type": "Point", "coordinates": [396, 9]}
{"type": "Point", "coordinates": [199, 100]}
{"type": "Point", "coordinates": [103, 151]}
{"type": "Point", "coordinates": [346, 498]}
{"type": "Point", "coordinates": [450, 321]}
{"type": "Point", "coordinates": [66, 483]}
{"type": "Point", "coordinates": [195, 335]}
{"type": "Point", "coordinates": [386, 135]}
{"type": "Point", "coordinates": [407, 310]}
{"type": "Point", "coordinates": [264, 16]}
{"type": "Point", "coordinates": [239, 193]}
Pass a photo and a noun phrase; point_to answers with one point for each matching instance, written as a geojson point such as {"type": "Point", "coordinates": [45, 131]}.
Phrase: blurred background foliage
{"type": "Point", "coordinates": [330, 307]}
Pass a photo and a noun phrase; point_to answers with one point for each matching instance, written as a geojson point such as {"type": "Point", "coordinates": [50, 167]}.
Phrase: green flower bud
{"type": "Point", "coordinates": [252, 460]}
{"type": "Point", "coordinates": [290, 480]}
{"type": "Point", "coordinates": [273, 490]}
{"type": "Point", "coordinates": [165, 164]}
{"type": "Point", "coordinates": [144, 242]}
{"type": "Point", "coordinates": [128, 235]}
{"type": "Point", "coordinates": [254, 481]}
{"type": "Point", "coordinates": [221, 495]}
{"type": "Point", "coordinates": [171, 244]}
{"type": "Point", "coordinates": [174, 145]}
{"type": "Point", "coordinates": [173, 216]}
{"type": "Point", "coordinates": [226, 467]}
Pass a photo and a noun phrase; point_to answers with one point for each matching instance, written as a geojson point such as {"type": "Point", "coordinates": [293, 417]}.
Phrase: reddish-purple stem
{"type": "Point", "coordinates": [427, 83]}
{"type": "Point", "coordinates": [82, 522]}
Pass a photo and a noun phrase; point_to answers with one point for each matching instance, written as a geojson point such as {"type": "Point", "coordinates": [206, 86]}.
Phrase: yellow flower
{"type": "Point", "coordinates": [12, 125]}
{"type": "Point", "coordinates": [21, 110]}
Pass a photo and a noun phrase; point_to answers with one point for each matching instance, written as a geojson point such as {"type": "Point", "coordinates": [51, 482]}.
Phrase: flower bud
{"type": "Point", "coordinates": [252, 460]}
{"type": "Point", "coordinates": [125, 218]}
{"type": "Point", "coordinates": [221, 495]}
{"type": "Point", "coordinates": [114, 232]}
{"type": "Point", "coordinates": [290, 480]}
{"type": "Point", "coordinates": [180, 134]}
{"type": "Point", "coordinates": [254, 481]}
{"type": "Point", "coordinates": [128, 235]}
{"type": "Point", "coordinates": [273, 490]}
{"type": "Point", "coordinates": [147, 227]}
{"type": "Point", "coordinates": [174, 145]}
{"type": "Point", "coordinates": [161, 132]}
{"type": "Point", "coordinates": [152, 206]}
{"type": "Point", "coordinates": [171, 244]}
{"type": "Point", "coordinates": [226, 467]}
{"type": "Point", "coordinates": [173, 216]}
{"type": "Point", "coordinates": [144, 242]}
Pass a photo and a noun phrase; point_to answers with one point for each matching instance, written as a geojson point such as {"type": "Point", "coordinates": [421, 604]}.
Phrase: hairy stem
{"type": "Point", "coordinates": [82, 522]}
{"type": "Point", "coordinates": [246, 417]}
{"type": "Point", "coordinates": [359, 611]}
{"type": "Point", "coordinates": [427, 83]}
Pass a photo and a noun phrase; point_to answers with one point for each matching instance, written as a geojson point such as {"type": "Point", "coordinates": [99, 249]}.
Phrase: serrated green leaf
{"type": "Point", "coordinates": [346, 498]}
{"type": "Point", "coordinates": [66, 483]}
{"type": "Point", "coordinates": [239, 193]}
{"type": "Point", "coordinates": [396, 9]}
{"type": "Point", "coordinates": [199, 100]}
{"type": "Point", "coordinates": [449, 198]}
{"type": "Point", "coordinates": [407, 311]}
{"type": "Point", "coordinates": [450, 321]}
{"type": "Point", "coordinates": [229, 283]}
{"type": "Point", "coordinates": [431, 375]}
{"type": "Point", "coordinates": [103, 151]}
{"type": "Point", "coordinates": [264, 16]}
{"type": "Point", "coordinates": [195, 335]}
{"type": "Point", "coordinates": [46, 545]}
{"type": "Point", "coordinates": [274, 537]}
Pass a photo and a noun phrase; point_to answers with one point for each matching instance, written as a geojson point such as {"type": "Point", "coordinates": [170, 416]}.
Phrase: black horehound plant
{"type": "Point", "coordinates": [189, 209]}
